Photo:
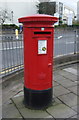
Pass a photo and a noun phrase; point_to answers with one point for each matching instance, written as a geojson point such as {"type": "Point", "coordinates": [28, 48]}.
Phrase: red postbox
{"type": "Point", "coordinates": [38, 31]}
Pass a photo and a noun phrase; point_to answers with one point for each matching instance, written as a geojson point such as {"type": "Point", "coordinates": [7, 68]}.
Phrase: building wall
{"type": "Point", "coordinates": [67, 13]}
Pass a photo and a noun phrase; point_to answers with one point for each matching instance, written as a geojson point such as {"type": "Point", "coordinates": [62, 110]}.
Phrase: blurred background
{"type": "Point", "coordinates": [66, 38]}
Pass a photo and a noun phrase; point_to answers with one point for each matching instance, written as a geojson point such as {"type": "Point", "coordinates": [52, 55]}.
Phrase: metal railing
{"type": "Point", "coordinates": [65, 42]}
{"type": "Point", "coordinates": [12, 54]}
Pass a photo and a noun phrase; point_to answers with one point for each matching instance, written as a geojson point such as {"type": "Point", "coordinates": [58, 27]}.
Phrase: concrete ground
{"type": "Point", "coordinates": [65, 95]}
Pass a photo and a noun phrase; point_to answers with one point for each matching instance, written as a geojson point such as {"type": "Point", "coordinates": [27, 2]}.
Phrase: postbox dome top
{"type": "Point", "coordinates": [38, 18]}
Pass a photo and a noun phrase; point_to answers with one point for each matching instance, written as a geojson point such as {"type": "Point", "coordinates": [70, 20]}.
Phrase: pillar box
{"type": "Point", "coordinates": [38, 31]}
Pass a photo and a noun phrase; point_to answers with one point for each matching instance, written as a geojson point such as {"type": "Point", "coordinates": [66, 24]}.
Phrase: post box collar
{"type": "Point", "coordinates": [38, 18]}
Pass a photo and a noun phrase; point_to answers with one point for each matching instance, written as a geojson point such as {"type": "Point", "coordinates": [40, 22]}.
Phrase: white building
{"type": "Point", "coordinates": [64, 12]}
{"type": "Point", "coordinates": [67, 14]}
{"type": "Point", "coordinates": [78, 10]}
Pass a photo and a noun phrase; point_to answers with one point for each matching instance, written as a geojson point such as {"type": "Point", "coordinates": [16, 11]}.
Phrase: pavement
{"type": "Point", "coordinates": [64, 102]}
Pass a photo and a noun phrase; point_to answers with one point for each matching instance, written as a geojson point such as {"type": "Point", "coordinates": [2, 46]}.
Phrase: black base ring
{"type": "Point", "coordinates": [37, 99]}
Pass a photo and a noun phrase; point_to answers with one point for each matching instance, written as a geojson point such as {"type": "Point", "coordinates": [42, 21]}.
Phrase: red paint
{"type": "Point", "coordinates": [38, 67]}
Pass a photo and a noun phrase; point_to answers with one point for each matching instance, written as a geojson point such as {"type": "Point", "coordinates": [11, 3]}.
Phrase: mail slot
{"type": "Point", "coordinates": [38, 31]}
{"type": "Point", "coordinates": [42, 32]}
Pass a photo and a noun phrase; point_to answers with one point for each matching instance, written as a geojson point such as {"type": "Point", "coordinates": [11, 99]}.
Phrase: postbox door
{"type": "Point", "coordinates": [41, 71]}
{"type": "Point", "coordinates": [45, 61]}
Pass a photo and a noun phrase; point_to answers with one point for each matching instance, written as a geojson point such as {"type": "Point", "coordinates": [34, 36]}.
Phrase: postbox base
{"type": "Point", "coordinates": [37, 99]}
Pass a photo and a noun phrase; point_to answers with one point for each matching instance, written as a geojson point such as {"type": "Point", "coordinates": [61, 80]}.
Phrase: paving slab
{"type": "Point", "coordinates": [58, 77]}
{"type": "Point", "coordinates": [56, 101]}
{"type": "Point", "coordinates": [71, 70]}
{"type": "Point", "coordinates": [75, 108]}
{"type": "Point", "coordinates": [10, 92]}
{"type": "Point", "coordinates": [64, 73]}
{"type": "Point", "coordinates": [72, 118]}
{"type": "Point", "coordinates": [60, 90]}
{"type": "Point", "coordinates": [28, 113]}
{"type": "Point", "coordinates": [69, 99]}
{"type": "Point", "coordinates": [55, 83]}
{"type": "Point", "coordinates": [74, 90]}
{"type": "Point", "coordinates": [68, 75]}
{"type": "Point", "coordinates": [67, 83]}
{"type": "Point", "coordinates": [75, 117]}
{"type": "Point", "coordinates": [10, 111]}
{"type": "Point", "coordinates": [61, 111]}
{"type": "Point", "coordinates": [19, 101]}
{"type": "Point", "coordinates": [72, 77]}
{"type": "Point", "coordinates": [20, 93]}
